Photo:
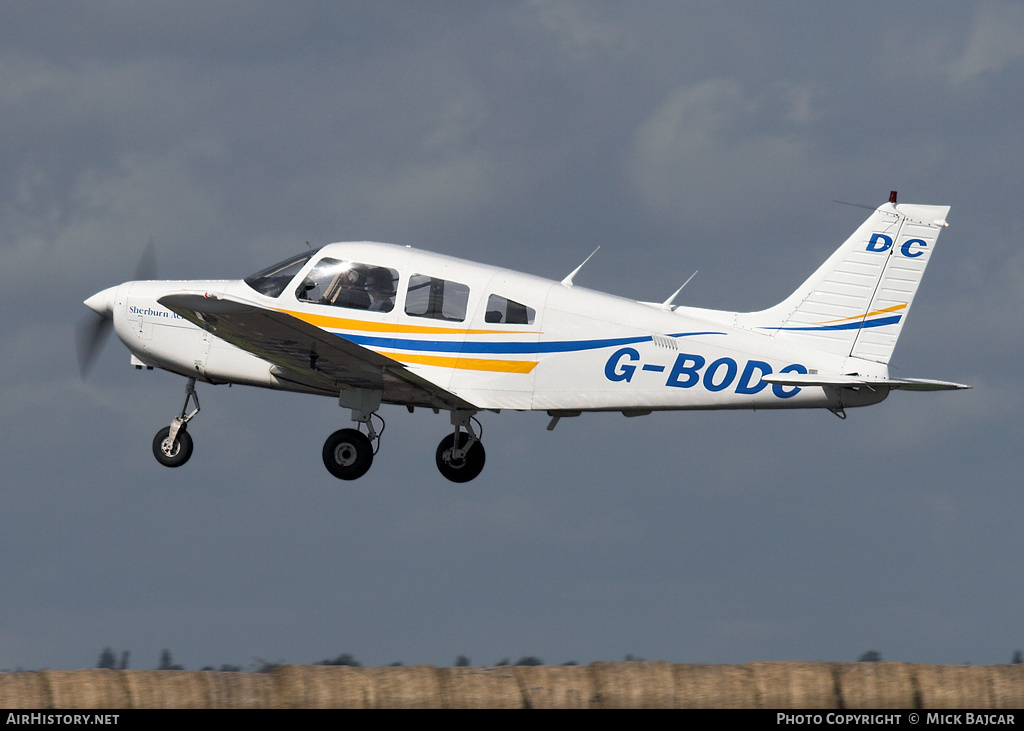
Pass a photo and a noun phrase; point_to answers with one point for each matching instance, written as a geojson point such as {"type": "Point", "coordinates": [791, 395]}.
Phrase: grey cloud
{"type": "Point", "coordinates": [996, 40]}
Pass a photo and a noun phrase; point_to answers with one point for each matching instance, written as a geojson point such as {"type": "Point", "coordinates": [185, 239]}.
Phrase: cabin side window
{"type": "Point", "coordinates": [438, 299]}
{"type": "Point", "coordinates": [349, 284]}
{"type": "Point", "coordinates": [508, 312]}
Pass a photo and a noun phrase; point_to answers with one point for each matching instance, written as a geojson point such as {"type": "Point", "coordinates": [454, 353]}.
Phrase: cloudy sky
{"type": "Point", "coordinates": [679, 136]}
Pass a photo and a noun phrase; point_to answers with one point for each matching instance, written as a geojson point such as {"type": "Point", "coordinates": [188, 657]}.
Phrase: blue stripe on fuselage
{"type": "Point", "coordinates": [495, 348]}
{"type": "Point", "coordinates": [845, 326]}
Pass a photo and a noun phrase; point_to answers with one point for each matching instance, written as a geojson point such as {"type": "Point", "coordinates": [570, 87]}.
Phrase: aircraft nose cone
{"type": "Point", "coordinates": [102, 303]}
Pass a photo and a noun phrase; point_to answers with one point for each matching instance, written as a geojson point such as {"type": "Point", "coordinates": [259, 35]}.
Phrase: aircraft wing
{"type": "Point", "coordinates": [837, 381]}
{"type": "Point", "coordinates": [304, 354]}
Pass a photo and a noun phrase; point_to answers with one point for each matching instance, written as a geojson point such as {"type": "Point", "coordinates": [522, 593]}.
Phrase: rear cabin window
{"type": "Point", "coordinates": [438, 299]}
{"type": "Point", "coordinates": [508, 312]}
{"type": "Point", "coordinates": [349, 284]}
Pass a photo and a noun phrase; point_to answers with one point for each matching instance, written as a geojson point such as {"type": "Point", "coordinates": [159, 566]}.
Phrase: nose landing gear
{"type": "Point", "coordinates": [172, 445]}
{"type": "Point", "coordinates": [172, 452]}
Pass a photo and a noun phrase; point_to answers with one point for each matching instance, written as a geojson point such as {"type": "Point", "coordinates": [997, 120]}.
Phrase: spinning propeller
{"type": "Point", "coordinates": [92, 332]}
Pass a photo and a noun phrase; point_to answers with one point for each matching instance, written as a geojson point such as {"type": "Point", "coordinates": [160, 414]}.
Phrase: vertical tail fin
{"type": "Point", "coordinates": [855, 304]}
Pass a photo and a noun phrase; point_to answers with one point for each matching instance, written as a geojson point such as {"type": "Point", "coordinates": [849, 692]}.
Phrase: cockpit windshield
{"type": "Point", "coordinates": [272, 280]}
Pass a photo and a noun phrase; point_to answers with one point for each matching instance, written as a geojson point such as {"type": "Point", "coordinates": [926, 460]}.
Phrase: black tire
{"type": "Point", "coordinates": [348, 454]}
{"type": "Point", "coordinates": [179, 452]}
{"type": "Point", "coordinates": [468, 468]}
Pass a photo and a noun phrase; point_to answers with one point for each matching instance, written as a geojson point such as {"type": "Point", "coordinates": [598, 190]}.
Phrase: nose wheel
{"type": "Point", "coordinates": [172, 452]}
{"type": "Point", "coordinates": [172, 445]}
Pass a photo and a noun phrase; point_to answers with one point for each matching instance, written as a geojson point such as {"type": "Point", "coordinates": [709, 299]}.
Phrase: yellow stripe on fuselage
{"type": "Point", "coordinates": [468, 364]}
{"type": "Point", "coordinates": [347, 323]}
{"type": "Point", "coordinates": [442, 361]}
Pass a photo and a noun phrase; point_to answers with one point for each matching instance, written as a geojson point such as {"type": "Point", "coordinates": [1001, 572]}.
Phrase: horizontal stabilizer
{"type": "Point", "coordinates": [841, 381]}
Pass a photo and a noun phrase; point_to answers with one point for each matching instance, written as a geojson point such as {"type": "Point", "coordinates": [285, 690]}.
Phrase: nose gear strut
{"type": "Point", "coordinates": [172, 445]}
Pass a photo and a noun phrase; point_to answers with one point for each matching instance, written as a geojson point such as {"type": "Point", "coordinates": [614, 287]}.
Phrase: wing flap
{"type": "Point", "coordinates": [305, 354]}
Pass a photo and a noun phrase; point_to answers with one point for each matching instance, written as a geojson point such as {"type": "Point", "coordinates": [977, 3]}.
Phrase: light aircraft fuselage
{"type": "Point", "coordinates": [371, 323]}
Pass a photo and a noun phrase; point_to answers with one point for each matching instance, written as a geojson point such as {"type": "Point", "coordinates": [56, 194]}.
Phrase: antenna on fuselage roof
{"type": "Point", "coordinates": [667, 304]}
{"type": "Point", "coordinates": [568, 280]}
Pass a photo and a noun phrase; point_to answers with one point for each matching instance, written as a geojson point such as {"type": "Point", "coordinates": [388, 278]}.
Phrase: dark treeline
{"type": "Point", "coordinates": [111, 660]}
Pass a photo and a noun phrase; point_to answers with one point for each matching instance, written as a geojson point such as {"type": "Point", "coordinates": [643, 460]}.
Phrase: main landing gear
{"type": "Point", "coordinates": [172, 445]}
{"type": "Point", "coordinates": [465, 461]}
{"type": "Point", "coordinates": [348, 453]}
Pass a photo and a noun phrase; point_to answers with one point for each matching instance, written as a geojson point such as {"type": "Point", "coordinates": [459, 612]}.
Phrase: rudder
{"type": "Point", "coordinates": [856, 303]}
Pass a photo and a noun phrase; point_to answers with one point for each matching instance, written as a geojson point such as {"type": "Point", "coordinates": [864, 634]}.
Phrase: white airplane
{"type": "Point", "coordinates": [372, 324]}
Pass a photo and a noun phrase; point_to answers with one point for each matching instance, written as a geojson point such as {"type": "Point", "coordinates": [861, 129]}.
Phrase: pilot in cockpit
{"type": "Point", "coordinates": [350, 289]}
{"type": "Point", "coordinates": [380, 286]}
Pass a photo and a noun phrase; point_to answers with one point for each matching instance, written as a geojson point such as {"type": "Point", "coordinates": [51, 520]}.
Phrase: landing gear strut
{"type": "Point", "coordinates": [348, 453]}
{"type": "Point", "coordinates": [172, 445]}
{"type": "Point", "coordinates": [460, 455]}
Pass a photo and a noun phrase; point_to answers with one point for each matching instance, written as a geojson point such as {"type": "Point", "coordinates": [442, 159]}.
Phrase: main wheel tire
{"type": "Point", "coordinates": [348, 454]}
{"type": "Point", "coordinates": [172, 455]}
{"type": "Point", "coordinates": [466, 469]}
